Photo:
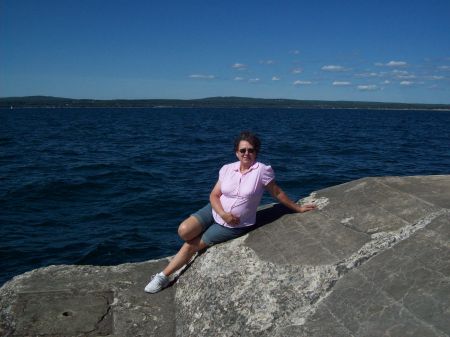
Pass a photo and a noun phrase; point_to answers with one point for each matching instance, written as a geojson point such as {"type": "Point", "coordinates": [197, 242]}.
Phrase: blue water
{"type": "Point", "coordinates": [107, 186]}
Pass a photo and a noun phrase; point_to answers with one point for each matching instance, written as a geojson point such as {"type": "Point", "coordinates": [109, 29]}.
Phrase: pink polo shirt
{"type": "Point", "coordinates": [242, 193]}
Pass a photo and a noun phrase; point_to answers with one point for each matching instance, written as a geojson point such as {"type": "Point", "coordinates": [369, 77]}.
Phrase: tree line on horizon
{"type": "Point", "coordinates": [211, 102]}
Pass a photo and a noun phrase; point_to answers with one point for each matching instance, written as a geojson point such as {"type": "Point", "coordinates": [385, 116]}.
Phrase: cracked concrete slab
{"type": "Point", "coordinates": [87, 301]}
{"type": "Point", "coordinates": [372, 260]}
{"type": "Point", "coordinates": [71, 312]}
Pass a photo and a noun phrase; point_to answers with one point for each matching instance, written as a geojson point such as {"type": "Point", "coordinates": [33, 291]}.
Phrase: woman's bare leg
{"type": "Point", "coordinates": [183, 256]}
{"type": "Point", "coordinates": [190, 231]}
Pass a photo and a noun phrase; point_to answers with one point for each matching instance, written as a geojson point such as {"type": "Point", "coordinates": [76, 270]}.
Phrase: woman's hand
{"type": "Point", "coordinates": [231, 219]}
{"type": "Point", "coordinates": [214, 198]}
{"type": "Point", "coordinates": [278, 194]}
{"type": "Point", "coordinates": [305, 208]}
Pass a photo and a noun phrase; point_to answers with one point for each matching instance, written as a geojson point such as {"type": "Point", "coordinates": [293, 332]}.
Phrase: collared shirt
{"type": "Point", "coordinates": [242, 193]}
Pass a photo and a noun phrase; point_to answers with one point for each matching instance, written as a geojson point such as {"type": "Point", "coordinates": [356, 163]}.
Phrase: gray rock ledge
{"type": "Point", "coordinates": [373, 260]}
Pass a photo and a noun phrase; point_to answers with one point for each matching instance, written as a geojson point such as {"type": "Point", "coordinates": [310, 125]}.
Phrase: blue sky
{"type": "Point", "coordinates": [393, 51]}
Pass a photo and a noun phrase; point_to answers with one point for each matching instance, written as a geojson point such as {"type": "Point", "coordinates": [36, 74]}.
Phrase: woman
{"type": "Point", "coordinates": [232, 209]}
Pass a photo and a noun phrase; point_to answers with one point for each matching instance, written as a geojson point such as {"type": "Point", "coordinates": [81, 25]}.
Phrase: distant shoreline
{"type": "Point", "coordinates": [221, 107]}
{"type": "Point", "coordinates": [212, 102]}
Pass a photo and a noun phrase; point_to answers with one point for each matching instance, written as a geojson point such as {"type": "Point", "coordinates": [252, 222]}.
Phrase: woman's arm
{"type": "Point", "coordinates": [278, 194]}
{"type": "Point", "coordinates": [214, 198]}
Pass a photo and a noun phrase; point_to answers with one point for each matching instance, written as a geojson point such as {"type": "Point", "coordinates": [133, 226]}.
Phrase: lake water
{"type": "Point", "coordinates": [108, 186]}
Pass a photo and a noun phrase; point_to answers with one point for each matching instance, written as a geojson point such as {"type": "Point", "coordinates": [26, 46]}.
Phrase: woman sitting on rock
{"type": "Point", "coordinates": [231, 212]}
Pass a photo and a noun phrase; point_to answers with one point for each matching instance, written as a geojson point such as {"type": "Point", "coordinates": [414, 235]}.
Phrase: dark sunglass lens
{"type": "Point", "coordinates": [249, 150]}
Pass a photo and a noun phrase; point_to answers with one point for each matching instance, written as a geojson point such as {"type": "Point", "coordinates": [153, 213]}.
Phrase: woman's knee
{"type": "Point", "coordinates": [189, 229]}
{"type": "Point", "coordinates": [183, 231]}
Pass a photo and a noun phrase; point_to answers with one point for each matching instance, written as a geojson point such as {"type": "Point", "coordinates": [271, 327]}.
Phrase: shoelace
{"type": "Point", "coordinates": [160, 279]}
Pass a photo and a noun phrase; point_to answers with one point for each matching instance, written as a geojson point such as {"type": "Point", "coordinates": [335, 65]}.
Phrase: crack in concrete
{"type": "Point", "coordinates": [381, 182]}
{"type": "Point", "coordinates": [102, 318]}
{"type": "Point", "coordinates": [437, 331]}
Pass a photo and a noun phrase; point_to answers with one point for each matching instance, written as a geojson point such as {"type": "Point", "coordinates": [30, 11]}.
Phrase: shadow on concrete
{"type": "Point", "coordinates": [270, 214]}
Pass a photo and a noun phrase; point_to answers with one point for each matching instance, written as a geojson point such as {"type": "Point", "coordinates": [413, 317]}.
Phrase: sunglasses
{"type": "Point", "coordinates": [248, 150]}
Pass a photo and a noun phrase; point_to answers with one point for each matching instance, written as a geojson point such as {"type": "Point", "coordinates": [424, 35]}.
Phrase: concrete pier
{"type": "Point", "coordinates": [372, 260]}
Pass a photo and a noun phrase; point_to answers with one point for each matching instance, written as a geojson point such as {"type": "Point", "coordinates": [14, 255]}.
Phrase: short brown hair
{"type": "Point", "coordinates": [249, 137]}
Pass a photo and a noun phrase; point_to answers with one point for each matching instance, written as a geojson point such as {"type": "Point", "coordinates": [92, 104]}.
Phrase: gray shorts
{"type": "Point", "coordinates": [214, 233]}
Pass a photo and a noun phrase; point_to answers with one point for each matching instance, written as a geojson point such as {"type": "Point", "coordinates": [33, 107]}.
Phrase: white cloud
{"type": "Point", "coordinates": [406, 83]}
{"type": "Point", "coordinates": [254, 80]}
{"type": "Point", "coordinates": [267, 62]}
{"type": "Point", "coordinates": [239, 66]}
{"type": "Point", "coordinates": [396, 63]}
{"type": "Point", "coordinates": [437, 77]}
{"type": "Point", "coordinates": [298, 82]}
{"type": "Point", "coordinates": [295, 52]}
{"type": "Point", "coordinates": [202, 77]}
{"type": "Point", "coordinates": [371, 74]}
{"type": "Point", "coordinates": [386, 82]}
{"type": "Point", "coordinates": [444, 67]}
{"type": "Point", "coordinates": [275, 78]}
{"type": "Point", "coordinates": [333, 68]}
{"type": "Point", "coordinates": [341, 83]}
{"type": "Point", "coordinates": [368, 87]}
{"type": "Point", "coordinates": [392, 64]}
{"type": "Point", "coordinates": [399, 72]}
{"type": "Point", "coordinates": [402, 74]}
{"type": "Point", "coordinates": [238, 78]}
{"type": "Point", "coordinates": [297, 70]}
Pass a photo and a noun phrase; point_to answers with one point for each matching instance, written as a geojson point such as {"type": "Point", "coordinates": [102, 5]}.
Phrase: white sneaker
{"type": "Point", "coordinates": [159, 282]}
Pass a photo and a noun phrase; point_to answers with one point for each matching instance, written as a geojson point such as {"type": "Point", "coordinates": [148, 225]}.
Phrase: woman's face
{"type": "Point", "coordinates": [246, 153]}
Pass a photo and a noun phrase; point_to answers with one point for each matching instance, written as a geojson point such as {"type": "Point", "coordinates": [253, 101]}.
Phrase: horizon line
{"type": "Point", "coordinates": [214, 97]}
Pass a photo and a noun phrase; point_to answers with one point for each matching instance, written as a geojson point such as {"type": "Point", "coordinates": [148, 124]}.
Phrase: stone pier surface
{"type": "Point", "coordinates": [372, 260]}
